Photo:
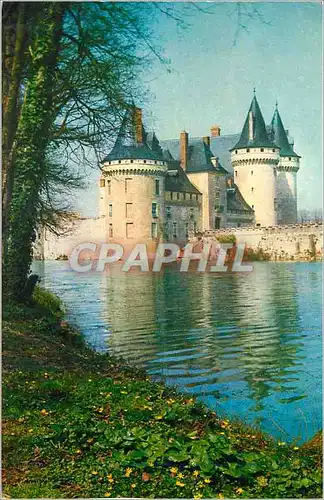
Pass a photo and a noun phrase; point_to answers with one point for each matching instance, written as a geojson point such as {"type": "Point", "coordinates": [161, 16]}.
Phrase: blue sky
{"type": "Point", "coordinates": [214, 70]}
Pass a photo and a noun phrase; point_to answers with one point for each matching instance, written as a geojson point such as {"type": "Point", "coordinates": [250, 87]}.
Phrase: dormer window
{"type": "Point", "coordinates": [236, 151]}
{"type": "Point", "coordinates": [262, 150]}
{"type": "Point", "coordinates": [144, 161]}
{"type": "Point", "coordinates": [273, 150]}
{"type": "Point", "coordinates": [178, 196]}
{"type": "Point", "coordinates": [119, 161]}
{"type": "Point", "coordinates": [248, 150]}
{"type": "Point", "coordinates": [289, 158]}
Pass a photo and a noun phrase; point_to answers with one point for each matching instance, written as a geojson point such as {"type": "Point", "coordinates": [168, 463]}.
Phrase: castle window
{"type": "Point", "coordinates": [168, 211]}
{"type": "Point", "coordinates": [174, 225]}
{"type": "Point", "coordinates": [128, 184]}
{"type": "Point", "coordinates": [235, 173]}
{"type": "Point", "coordinates": [111, 232]}
{"type": "Point", "coordinates": [119, 161]}
{"type": "Point", "coordinates": [191, 213]}
{"type": "Point", "coordinates": [191, 196]}
{"type": "Point", "coordinates": [262, 149]}
{"type": "Point", "coordinates": [289, 158]}
{"type": "Point", "coordinates": [102, 183]}
{"type": "Point", "coordinates": [110, 210]}
{"type": "Point", "coordinates": [166, 230]}
{"type": "Point", "coordinates": [273, 150]}
{"type": "Point", "coordinates": [178, 196]}
{"type": "Point", "coordinates": [129, 230]}
{"type": "Point", "coordinates": [129, 210]}
{"type": "Point", "coordinates": [195, 226]}
{"type": "Point", "coordinates": [132, 161]}
{"type": "Point", "coordinates": [157, 187]}
{"type": "Point", "coordinates": [155, 162]}
{"type": "Point", "coordinates": [171, 196]}
{"type": "Point", "coordinates": [109, 187]}
{"type": "Point", "coordinates": [187, 229]}
{"type": "Point", "coordinates": [154, 230]}
{"type": "Point", "coordinates": [252, 189]}
{"type": "Point", "coordinates": [252, 206]}
{"type": "Point", "coordinates": [251, 172]}
{"type": "Point", "coordinates": [247, 150]}
{"type": "Point", "coordinates": [154, 210]}
{"type": "Point", "coordinates": [236, 152]}
{"type": "Point", "coordinates": [144, 161]}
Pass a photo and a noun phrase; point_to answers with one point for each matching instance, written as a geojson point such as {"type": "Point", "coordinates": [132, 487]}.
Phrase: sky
{"type": "Point", "coordinates": [213, 67]}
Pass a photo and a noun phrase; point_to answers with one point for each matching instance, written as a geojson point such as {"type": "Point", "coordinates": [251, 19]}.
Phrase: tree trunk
{"type": "Point", "coordinates": [30, 143]}
{"type": "Point", "coordinates": [15, 43]}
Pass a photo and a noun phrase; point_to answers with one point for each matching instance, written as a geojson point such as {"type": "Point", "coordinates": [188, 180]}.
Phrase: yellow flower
{"type": "Point", "coordinates": [198, 495]}
{"type": "Point", "coordinates": [133, 485]}
{"type": "Point", "coordinates": [78, 452]}
{"type": "Point", "coordinates": [128, 472]}
{"type": "Point", "coordinates": [109, 476]}
{"type": "Point", "coordinates": [94, 472]}
{"type": "Point", "coordinates": [107, 494]}
{"type": "Point", "coordinates": [159, 417]}
{"type": "Point", "coordinates": [207, 481]}
{"type": "Point", "coordinates": [220, 495]}
{"type": "Point", "coordinates": [179, 483]}
{"type": "Point", "coordinates": [296, 447]}
{"type": "Point", "coordinates": [89, 380]}
{"type": "Point", "coordinates": [44, 412]}
{"type": "Point", "coordinates": [196, 473]}
{"type": "Point", "coordinates": [30, 430]}
{"type": "Point", "coordinates": [281, 443]}
{"type": "Point", "coordinates": [180, 475]}
{"type": "Point", "coordinates": [174, 470]}
{"type": "Point", "coordinates": [239, 491]}
{"type": "Point", "coordinates": [253, 437]}
{"type": "Point", "coordinates": [262, 481]}
{"type": "Point", "coordinates": [123, 392]}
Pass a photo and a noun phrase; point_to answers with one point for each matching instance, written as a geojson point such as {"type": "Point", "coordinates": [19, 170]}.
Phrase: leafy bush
{"type": "Point", "coordinates": [226, 238]}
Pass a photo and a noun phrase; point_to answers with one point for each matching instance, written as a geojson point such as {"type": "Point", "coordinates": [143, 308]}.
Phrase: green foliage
{"type": "Point", "coordinates": [255, 255]}
{"type": "Point", "coordinates": [86, 425]}
{"type": "Point", "coordinates": [226, 238]}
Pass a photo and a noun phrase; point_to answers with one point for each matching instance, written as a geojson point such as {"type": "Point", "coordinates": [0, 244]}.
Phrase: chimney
{"type": "Point", "coordinates": [206, 140]}
{"type": "Point", "coordinates": [138, 125]}
{"type": "Point", "coordinates": [184, 149]}
{"type": "Point", "coordinates": [215, 131]}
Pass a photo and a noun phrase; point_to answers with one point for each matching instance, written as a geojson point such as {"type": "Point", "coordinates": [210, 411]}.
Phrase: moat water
{"type": "Point", "coordinates": [249, 346]}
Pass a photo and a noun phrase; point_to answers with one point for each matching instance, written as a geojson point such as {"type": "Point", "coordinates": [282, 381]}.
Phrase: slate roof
{"type": "Point", "coordinates": [177, 180]}
{"type": "Point", "coordinates": [260, 136]}
{"type": "Point", "coordinates": [236, 202]}
{"type": "Point", "coordinates": [279, 136]}
{"type": "Point", "coordinates": [199, 155]}
{"type": "Point", "coordinates": [127, 147]}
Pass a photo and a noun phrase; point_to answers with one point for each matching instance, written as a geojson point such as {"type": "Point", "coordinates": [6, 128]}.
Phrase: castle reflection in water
{"type": "Point", "coordinates": [249, 345]}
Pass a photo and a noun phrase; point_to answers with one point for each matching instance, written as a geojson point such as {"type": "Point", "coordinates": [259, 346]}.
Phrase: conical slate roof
{"type": "Point", "coordinates": [254, 133]}
{"type": "Point", "coordinates": [127, 145]}
{"type": "Point", "coordinates": [279, 136]}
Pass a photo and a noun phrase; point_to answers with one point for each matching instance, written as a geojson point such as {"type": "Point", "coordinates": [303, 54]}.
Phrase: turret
{"type": "Point", "coordinates": [254, 159]}
{"type": "Point", "coordinates": [286, 183]}
{"type": "Point", "coordinates": [134, 176]}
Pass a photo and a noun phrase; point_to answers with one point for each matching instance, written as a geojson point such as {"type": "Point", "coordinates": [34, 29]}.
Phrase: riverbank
{"type": "Point", "coordinates": [81, 424]}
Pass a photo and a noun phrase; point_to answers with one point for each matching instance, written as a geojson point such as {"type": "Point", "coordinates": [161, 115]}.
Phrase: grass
{"type": "Point", "coordinates": [81, 424]}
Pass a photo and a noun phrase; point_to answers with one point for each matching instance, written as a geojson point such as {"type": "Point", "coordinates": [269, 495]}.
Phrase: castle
{"type": "Point", "coordinates": [151, 190]}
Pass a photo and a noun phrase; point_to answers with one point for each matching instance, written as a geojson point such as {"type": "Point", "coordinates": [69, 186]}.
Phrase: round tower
{"type": "Point", "coordinates": [134, 178]}
{"type": "Point", "coordinates": [286, 172]}
{"type": "Point", "coordinates": [254, 159]}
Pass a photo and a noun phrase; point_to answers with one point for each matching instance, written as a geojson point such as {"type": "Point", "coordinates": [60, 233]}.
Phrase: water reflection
{"type": "Point", "coordinates": [245, 344]}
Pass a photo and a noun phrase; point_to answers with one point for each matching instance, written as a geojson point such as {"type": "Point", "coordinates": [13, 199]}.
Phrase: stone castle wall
{"type": "Point", "coordinates": [291, 242]}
